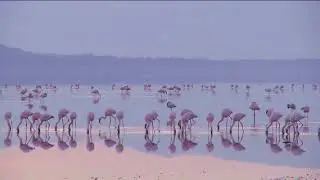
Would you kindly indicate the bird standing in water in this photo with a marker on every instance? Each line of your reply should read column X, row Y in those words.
column 170, row 105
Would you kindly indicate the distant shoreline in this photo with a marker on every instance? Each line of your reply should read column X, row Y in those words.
column 18, row 66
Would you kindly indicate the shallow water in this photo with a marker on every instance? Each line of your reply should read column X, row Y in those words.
column 139, row 103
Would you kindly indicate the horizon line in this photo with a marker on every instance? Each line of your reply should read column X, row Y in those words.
column 154, row 57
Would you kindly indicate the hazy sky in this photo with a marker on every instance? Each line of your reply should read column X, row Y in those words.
column 216, row 30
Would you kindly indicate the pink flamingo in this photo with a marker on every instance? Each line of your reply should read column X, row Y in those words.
column 109, row 112
column 90, row 119
column 35, row 118
column 237, row 118
column 306, row 110
column 24, row 116
column 63, row 113
column 187, row 117
column 7, row 118
column 149, row 118
column 293, row 121
column 73, row 118
column 45, row 118
column 172, row 121
column 254, row 107
column 274, row 117
column 225, row 114
column 210, row 119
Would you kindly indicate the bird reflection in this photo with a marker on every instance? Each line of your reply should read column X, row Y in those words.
column 108, row 140
column 119, row 147
column 96, row 100
column 73, row 138
column 7, row 140
column 210, row 145
column 90, row 143
column 294, row 145
column 44, row 143
column 225, row 140
column 24, row 145
column 35, row 139
column 186, row 142
column 305, row 129
column 162, row 100
column 172, row 146
column 150, row 145
column 62, row 143
column 273, row 141
column 237, row 144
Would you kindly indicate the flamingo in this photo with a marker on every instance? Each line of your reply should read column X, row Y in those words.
column 254, row 107
column 73, row 118
column 171, row 122
column 306, row 110
column 24, row 116
column 224, row 114
column 237, row 118
column 109, row 112
column 90, row 119
column 274, row 117
column 292, row 121
column 35, row 118
column 7, row 118
column 45, row 118
column 149, row 118
column 210, row 119
column 63, row 113
column 170, row 105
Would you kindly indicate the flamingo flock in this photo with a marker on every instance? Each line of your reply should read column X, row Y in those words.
column 186, row 119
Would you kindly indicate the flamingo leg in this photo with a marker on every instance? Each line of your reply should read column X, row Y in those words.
column 218, row 125
column 232, row 126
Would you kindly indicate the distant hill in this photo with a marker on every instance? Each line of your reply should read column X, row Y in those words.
column 27, row 67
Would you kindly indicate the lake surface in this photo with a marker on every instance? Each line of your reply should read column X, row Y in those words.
column 140, row 102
